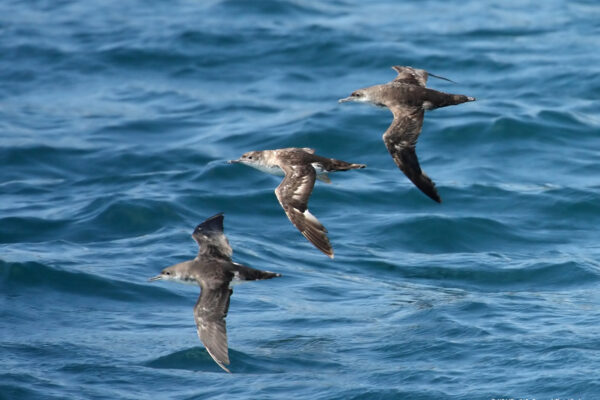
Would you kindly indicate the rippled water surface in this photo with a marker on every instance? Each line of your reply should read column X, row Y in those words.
column 116, row 119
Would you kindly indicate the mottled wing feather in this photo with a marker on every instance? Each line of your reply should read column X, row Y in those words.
column 210, row 312
column 401, row 139
column 293, row 194
column 410, row 75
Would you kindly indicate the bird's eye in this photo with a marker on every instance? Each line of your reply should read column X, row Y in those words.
column 168, row 273
column 356, row 94
column 249, row 157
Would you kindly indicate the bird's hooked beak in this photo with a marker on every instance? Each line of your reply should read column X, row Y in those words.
column 346, row 99
column 234, row 161
column 155, row 278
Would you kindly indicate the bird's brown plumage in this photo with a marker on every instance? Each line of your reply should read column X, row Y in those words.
column 407, row 97
column 213, row 271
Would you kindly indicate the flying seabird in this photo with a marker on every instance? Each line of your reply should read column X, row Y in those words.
column 214, row 271
column 301, row 167
column 408, row 98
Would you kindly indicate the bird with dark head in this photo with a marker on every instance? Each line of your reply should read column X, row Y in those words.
column 408, row 99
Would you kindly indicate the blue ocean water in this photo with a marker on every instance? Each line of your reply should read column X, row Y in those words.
column 116, row 119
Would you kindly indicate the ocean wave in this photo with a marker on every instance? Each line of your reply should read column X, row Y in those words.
column 24, row 385
column 30, row 229
column 285, row 9
column 472, row 271
column 21, row 276
column 116, row 121
column 198, row 359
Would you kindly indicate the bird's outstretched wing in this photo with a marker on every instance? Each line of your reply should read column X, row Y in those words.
column 211, row 239
column 410, row 75
column 293, row 194
column 401, row 139
column 414, row 76
column 210, row 312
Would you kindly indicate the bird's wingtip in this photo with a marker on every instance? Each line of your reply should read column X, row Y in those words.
column 225, row 369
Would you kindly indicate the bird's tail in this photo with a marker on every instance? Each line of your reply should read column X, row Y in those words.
column 454, row 99
column 437, row 99
column 339, row 165
column 459, row 98
column 245, row 273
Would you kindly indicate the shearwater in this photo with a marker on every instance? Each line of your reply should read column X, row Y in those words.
column 301, row 167
column 214, row 271
column 408, row 99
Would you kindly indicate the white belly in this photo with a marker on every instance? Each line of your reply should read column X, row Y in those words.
column 278, row 171
column 269, row 170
